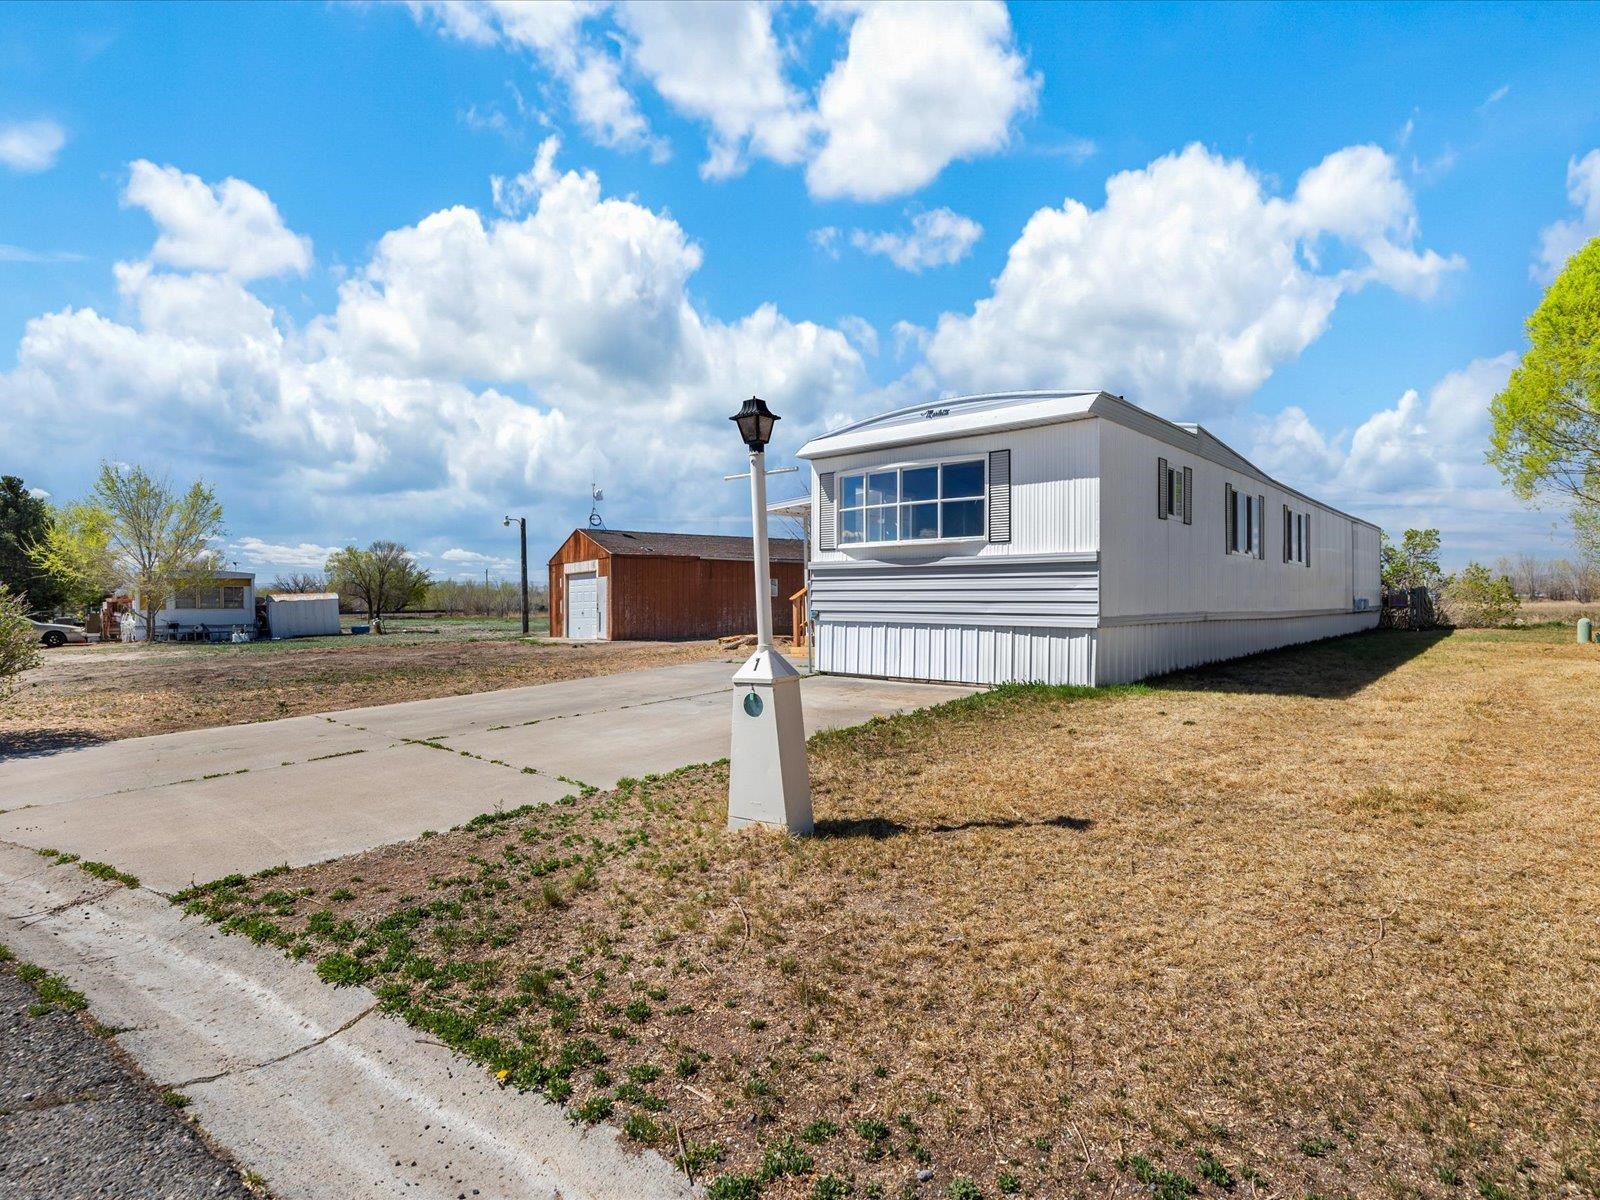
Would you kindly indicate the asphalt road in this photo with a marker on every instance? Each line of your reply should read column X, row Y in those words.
column 76, row 1120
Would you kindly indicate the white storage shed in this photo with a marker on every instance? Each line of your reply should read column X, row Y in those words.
column 302, row 614
column 1065, row 537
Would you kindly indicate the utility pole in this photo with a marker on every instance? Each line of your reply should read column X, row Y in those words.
column 522, row 525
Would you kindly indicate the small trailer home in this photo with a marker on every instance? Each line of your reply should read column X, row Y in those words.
column 211, row 610
column 1065, row 537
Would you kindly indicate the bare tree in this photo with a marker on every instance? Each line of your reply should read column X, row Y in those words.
column 300, row 582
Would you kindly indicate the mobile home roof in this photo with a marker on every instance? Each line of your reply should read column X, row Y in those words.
column 1000, row 412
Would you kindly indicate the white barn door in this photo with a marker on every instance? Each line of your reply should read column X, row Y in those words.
column 583, row 605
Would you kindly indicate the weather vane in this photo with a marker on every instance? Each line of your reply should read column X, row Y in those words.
column 596, row 495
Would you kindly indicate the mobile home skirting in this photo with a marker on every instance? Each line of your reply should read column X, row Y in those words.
column 1092, row 657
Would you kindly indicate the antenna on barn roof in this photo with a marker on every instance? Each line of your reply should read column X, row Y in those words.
column 596, row 521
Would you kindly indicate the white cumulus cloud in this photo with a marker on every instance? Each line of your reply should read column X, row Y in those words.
column 1416, row 462
column 918, row 85
column 922, row 85
column 936, row 238
column 230, row 227
column 1560, row 240
column 473, row 363
column 1191, row 284
column 31, row 146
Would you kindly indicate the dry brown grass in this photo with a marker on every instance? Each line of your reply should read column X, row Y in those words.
column 82, row 694
column 1325, row 920
column 1533, row 612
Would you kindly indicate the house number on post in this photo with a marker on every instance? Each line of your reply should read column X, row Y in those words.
column 752, row 704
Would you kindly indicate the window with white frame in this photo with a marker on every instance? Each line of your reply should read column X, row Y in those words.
column 920, row 502
column 1243, row 513
column 1296, row 537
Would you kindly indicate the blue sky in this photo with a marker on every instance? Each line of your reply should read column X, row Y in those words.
column 260, row 243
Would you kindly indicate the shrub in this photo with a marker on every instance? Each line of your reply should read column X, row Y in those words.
column 19, row 644
column 1479, row 597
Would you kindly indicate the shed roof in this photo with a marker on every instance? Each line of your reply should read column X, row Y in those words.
column 692, row 545
column 280, row 597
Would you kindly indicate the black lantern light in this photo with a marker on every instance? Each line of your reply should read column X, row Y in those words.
column 755, row 421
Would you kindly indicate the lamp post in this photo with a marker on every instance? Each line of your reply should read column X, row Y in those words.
column 522, row 524
column 769, row 782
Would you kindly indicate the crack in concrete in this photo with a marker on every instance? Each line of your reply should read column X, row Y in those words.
column 30, row 918
column 284, row 1057
column 592, row 712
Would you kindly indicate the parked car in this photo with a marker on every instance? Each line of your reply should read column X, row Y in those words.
column 58, row 633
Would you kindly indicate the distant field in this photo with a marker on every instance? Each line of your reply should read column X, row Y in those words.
column 1319, row 923
column 1533, row 612
column 82, row 694
column 402, row 631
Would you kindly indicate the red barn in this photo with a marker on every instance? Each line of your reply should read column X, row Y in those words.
column 621, row 585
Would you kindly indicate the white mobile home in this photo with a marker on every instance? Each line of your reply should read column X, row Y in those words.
column 210, row 611
column 1065, row 537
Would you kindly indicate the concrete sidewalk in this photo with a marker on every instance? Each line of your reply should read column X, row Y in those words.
column 305, row 1084
column 185, row 808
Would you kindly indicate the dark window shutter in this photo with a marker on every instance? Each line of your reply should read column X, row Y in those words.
column 1000, row 496
column 1288, row 534
column 1308, row 539
column 1261, row 532
column 827, row 514
column 1163, row 487
column 1230, row 518
column 1188, row 496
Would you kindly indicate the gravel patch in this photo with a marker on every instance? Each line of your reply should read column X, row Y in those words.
column 77, row 1120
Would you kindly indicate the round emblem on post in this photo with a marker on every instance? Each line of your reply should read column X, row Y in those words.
column 752, row 704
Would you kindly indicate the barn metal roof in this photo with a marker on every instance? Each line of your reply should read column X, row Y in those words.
column 692, row 545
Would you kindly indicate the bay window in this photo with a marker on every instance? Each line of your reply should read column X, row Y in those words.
column 924, row 502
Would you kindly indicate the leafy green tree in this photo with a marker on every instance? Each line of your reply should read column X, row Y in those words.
column 19, row 644
column 1414, row 562
column 1545, row 425
column 24, row 521
column 1478, row 596
column 383, row 577
column 138, row 531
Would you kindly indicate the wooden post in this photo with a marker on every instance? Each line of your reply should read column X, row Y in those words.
column 797, row 610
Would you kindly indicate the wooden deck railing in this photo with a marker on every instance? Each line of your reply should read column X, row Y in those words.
column 797, row 610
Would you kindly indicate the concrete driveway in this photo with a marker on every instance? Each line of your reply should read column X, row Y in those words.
column 184, row 808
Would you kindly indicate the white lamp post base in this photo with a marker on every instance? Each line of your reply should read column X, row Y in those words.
column 768, row 780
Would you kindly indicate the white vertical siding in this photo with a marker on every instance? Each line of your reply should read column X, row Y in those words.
column 1129, row 652
column 1093, row 587
column 1151, row 567
column 1365, row 569
column 956, row 654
